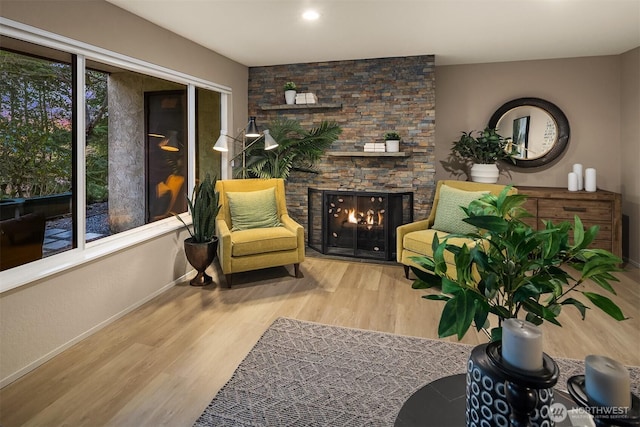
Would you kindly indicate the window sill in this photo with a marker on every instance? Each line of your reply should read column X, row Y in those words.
column 41, row 269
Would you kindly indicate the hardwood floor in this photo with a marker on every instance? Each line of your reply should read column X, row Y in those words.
column 164, row 362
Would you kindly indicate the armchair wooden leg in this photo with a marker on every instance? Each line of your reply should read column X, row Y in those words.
column 296, row 269
column 229, row 280
column 406, row 271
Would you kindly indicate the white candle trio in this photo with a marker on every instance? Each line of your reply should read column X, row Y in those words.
column 577, row 181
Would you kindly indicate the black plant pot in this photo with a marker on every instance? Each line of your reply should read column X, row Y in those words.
column 200, row 256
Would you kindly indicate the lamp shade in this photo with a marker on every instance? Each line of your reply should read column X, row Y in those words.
column 221, row 143
column 170, row 143
column 252, row 128
column 269, row 142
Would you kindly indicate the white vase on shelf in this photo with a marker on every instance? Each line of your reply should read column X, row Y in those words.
column 392, row 145
column 290, row 97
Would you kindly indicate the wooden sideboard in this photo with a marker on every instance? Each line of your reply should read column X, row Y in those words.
column 602, row 208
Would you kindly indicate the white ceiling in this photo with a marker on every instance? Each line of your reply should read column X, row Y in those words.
column 271, row 32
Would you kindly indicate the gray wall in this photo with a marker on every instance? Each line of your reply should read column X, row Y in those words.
column 599, row 96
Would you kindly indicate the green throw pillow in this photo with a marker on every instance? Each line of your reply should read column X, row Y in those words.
column 449, row 214
column 253, row 209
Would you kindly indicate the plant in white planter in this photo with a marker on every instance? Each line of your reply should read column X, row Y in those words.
column 392, row 141
column 483, row 151
column 290, row 92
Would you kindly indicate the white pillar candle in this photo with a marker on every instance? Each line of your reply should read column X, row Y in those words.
column 572, row 183
column 577, row 169
column 607, row 382
column 522, row 344
column 590, row 179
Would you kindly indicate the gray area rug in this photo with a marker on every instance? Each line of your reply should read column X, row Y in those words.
column 308, row 374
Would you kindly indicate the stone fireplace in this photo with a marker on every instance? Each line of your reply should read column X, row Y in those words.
column 367, row 98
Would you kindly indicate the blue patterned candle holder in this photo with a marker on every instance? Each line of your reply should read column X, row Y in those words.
column 499, row 395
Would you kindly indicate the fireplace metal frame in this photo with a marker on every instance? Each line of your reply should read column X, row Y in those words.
column 318, row 222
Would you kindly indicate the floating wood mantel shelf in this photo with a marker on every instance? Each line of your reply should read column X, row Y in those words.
column 366, row 154
column 301, row 106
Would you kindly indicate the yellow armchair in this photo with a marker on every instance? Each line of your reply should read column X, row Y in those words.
column 257, row 248
column 415, row 239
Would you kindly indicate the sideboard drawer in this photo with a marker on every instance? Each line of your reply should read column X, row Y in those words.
column 567, row 209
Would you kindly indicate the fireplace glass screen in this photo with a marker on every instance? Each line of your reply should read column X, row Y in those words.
column 357, row 224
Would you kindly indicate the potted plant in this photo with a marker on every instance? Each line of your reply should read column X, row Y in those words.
column 201, row 247
column 392, row 141
column 483, row 150
column 290, row 92
column 517, row 272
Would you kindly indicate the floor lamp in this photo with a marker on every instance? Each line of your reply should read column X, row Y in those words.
column 250, row 131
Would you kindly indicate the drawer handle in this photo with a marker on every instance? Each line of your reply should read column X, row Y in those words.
column 574, row 209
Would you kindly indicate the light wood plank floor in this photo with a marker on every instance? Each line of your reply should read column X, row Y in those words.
column 164, row 362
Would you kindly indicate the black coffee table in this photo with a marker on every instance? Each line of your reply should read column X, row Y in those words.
column 442, row 403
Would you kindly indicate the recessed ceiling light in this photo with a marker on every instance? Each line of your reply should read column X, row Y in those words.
column 311, row 15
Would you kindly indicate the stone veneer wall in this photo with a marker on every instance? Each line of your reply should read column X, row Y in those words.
column 377, row 95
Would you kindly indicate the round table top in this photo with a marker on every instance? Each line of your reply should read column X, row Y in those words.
column 442, row 403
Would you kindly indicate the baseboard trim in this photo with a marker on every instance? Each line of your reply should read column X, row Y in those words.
column 33, row 365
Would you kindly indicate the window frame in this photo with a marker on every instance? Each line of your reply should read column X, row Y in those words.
column 86, row 252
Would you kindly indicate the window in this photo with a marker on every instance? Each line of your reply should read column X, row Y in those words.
column 36, row 154
column 147, row 137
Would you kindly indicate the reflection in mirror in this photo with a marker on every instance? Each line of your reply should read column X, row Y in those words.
column 538, row 130
column 530, row 129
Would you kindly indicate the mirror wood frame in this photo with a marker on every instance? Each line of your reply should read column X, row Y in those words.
column 562, row 128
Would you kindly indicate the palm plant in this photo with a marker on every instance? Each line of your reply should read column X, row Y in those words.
column 298, row 149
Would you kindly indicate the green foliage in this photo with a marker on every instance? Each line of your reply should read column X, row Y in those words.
column 298, row 149
column 97, row 134
column 392, row 136
column 290, row 86
column 35, row 152
column 488, row 147
column 515, row 270
column 36, row 133
column 204, row 206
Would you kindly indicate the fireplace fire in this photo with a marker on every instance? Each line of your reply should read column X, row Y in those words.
column 357, row 224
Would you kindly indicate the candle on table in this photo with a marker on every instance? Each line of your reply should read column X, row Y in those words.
column 607, row 382
column 590, row 179
column 572, row 183
column 522, row 344
column 577, row 169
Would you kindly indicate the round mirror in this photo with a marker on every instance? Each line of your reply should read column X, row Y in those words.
column 537, row 129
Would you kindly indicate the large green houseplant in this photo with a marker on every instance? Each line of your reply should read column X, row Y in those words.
column 201, row 247
column 298, row 149
column 515, row 271
column 483, row 151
